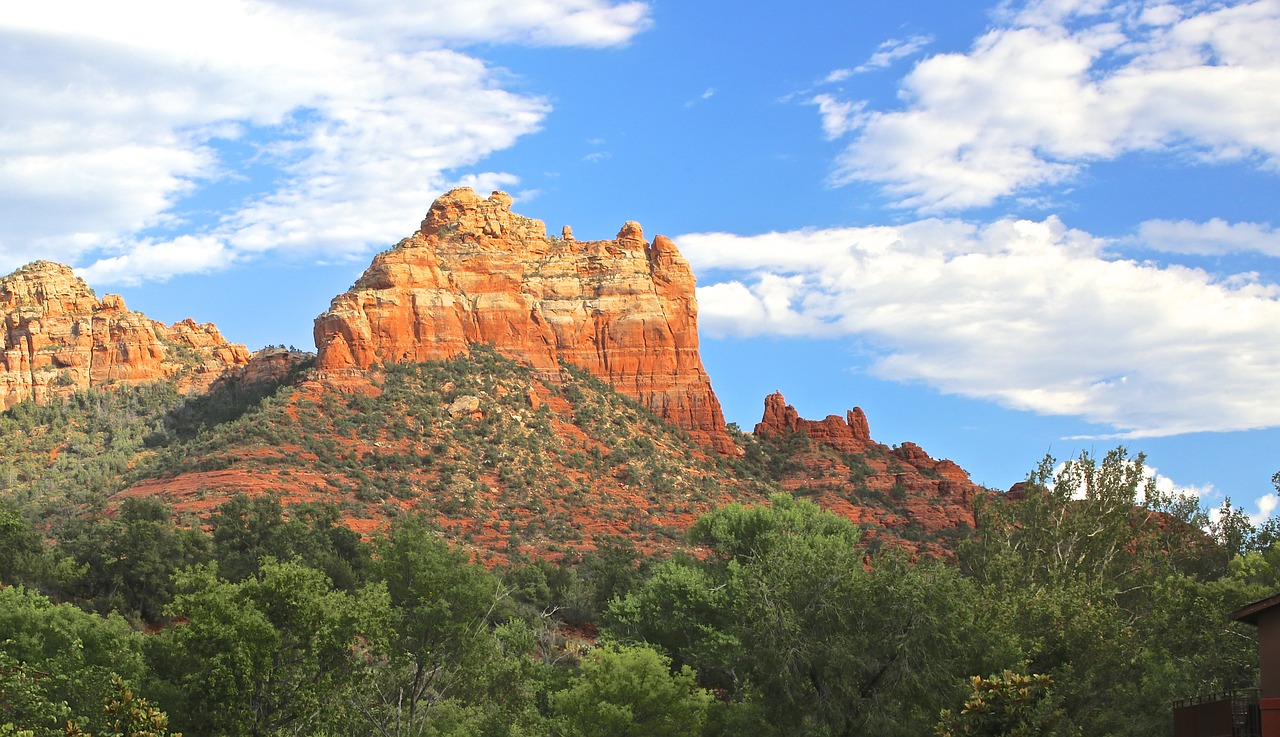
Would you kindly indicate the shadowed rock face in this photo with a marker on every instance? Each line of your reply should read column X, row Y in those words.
column 475, row 272
column 58, row 338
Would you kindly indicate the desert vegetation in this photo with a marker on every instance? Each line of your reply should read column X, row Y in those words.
column 469, row 548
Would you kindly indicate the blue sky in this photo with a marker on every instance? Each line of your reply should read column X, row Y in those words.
column 1030, row 227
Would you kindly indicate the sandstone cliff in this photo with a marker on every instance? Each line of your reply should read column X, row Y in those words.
column 901, row 490
column 477, row 273
column 57, row 338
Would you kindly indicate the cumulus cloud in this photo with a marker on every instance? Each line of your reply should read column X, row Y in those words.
column 1062, row 83
column 359, row 110
column 1031, row 315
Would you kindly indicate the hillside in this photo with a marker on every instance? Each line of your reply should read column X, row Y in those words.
column 530, row 394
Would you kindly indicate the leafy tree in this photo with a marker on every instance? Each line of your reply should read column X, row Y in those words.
column 26, row 709
column 742, row 532
column 1113, row 589
column 264, row 656
column 613, row 569
column 445, row 651
column 837, row 648
column 793, row 616
column 630, row 692
column 129, row 562
column 248, row 530
column 1006, row 705
column 687, row 610
column 57, row 662
column 22, row 551
column 128, row 715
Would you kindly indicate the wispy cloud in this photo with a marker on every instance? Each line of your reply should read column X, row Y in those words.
column 885, row 55
column 1031, row 315
column 360, row 108
column 706, row 95
column 892, row 50
column 1212, row 238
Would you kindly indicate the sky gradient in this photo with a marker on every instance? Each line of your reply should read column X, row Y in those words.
column 1003, row 231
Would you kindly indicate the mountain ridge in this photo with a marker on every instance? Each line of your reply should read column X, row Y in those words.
column 468, row 374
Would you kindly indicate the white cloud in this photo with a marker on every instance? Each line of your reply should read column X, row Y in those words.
column 1215, row 237
column 706, row 95
column 1266, row 505
column 838, row 116
column 359, row 107
column 160, row 260
column 1032, row 315
column 591, row 23
column 890, row 51
column 1068, row 82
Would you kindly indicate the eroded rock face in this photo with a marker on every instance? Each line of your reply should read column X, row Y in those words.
column 57, row 338
column 896, row 489
column 622, row 309
column 848, row 435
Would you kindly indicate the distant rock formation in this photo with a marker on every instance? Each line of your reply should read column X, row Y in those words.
column 868, row 481
column 851, row 434
column 58, row 338
column 477, row 273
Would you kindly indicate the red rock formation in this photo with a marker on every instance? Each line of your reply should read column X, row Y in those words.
column 848, row 435
column 269, row 366
column 57, row 338
column 475, row 272
column 893, row 488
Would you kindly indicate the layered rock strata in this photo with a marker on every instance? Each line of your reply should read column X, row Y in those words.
column 57, row 338
column 477, row 273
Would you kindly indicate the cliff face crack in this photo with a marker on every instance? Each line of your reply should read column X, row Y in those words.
column 622, row 309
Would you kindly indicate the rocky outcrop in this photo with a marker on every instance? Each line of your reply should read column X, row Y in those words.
column 269, row 366
column 847, row 435
column 477, row 273
column 58, row 337
column 900, row 490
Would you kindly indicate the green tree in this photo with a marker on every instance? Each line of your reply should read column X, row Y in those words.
column 57, row 662
column 1113, row 589
column 1006, row 705
column 26, row 709
column 128, row 563
column 687, row 610
column 247, row 530
column 266, row 656
column 448, row 655
column 22, row 552
column 1100, row 523
column 630, row 692
column 792, row 615
column 128, row 715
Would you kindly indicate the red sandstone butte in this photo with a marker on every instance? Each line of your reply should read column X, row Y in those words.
column 477, row 273
column 58, row 338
